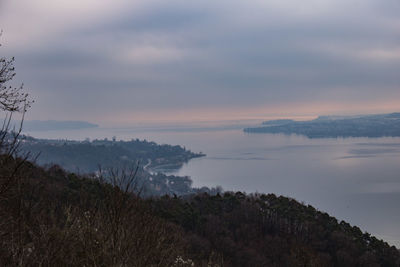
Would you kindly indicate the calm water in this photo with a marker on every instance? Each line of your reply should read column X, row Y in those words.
column 354, row 179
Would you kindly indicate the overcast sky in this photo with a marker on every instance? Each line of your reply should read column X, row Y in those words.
column 124, row 61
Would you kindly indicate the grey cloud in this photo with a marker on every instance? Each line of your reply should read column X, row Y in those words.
column 175, row 55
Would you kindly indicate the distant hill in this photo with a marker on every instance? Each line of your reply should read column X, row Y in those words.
column 277, row 122
column 378, row 125
column 49, row 125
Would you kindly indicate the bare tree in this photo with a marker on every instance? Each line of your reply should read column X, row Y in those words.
column 12, row 98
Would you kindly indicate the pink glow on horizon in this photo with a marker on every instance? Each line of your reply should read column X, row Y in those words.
column 288, row 111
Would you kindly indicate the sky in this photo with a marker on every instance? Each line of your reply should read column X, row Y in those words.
column 123, row 62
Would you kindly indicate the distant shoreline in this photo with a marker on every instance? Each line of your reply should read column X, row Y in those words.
column 380, row 125
column 54, row 125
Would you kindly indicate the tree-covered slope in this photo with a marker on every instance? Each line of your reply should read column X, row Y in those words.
column 266, row 230
column 86, row 156
column 55, row 218
column 91, row 156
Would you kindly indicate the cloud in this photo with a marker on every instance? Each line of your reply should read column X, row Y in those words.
column 111, row 57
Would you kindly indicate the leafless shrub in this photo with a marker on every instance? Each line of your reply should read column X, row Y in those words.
column 12, row 100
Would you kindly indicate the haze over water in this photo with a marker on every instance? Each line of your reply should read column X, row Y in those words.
column 353, row 179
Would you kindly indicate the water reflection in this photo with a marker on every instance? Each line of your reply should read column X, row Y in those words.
column 354, row 179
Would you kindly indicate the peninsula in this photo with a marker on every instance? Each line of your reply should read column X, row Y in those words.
column 378, row 125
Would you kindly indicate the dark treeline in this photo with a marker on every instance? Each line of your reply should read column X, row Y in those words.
column 266, row 230
column 56, row 218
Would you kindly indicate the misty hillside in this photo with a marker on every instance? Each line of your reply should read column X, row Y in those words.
column 86, row 156
column 150, row 159
column 380, row 125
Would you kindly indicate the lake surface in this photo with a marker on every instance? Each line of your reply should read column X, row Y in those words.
column 353, row 179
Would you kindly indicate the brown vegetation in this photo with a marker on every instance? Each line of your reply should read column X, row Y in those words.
column 52, row 218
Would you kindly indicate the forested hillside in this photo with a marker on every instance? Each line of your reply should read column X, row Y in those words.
column 56, row 218
column 87, row 156
column 149, row 158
